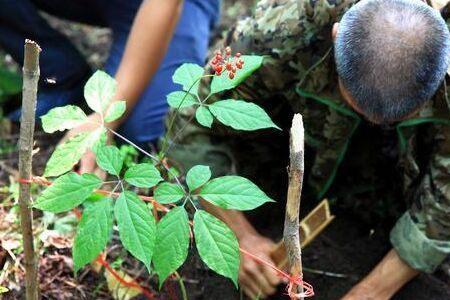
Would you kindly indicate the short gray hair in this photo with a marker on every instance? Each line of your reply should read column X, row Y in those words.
column 391, row 56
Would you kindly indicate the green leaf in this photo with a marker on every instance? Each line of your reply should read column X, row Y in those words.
column 67, row 192
column 143, row 175
column 188, row 75
column 68, row 154
column 109, row 159
column 217, row 245
column 241, row 115
column 10, row 82
column 222, row 83
column 115, row 111
column 166, row 193
column 233, row 192
column 93, row 232
column 181, row 99
column 197, row 176
column 3, row 290
column 99, row 90
column 172, row 243
column 204, row 117
column 137, row 228
column 62, row 118
column 100, row 142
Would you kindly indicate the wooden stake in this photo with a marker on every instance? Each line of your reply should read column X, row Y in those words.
column 291, row 234
column 29, row 94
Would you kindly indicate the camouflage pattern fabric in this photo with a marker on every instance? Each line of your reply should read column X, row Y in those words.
column 299, row 76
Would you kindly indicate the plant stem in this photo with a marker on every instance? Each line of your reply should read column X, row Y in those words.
column 29, row 94
column 147, row 154
column 291, row 234
column 172, row 120
column 182, row 286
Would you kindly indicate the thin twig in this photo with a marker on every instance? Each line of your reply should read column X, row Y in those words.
column 29, row 95
column 291, row 234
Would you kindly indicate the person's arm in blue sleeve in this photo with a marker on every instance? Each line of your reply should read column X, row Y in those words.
column 146, row 47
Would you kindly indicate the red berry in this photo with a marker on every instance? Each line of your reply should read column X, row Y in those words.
column 241, row 61
column 233, row 69
column 219, row 69
column 228, row 51
column 238, row 65
column 214, row 61
column 231, row 75
column 228, row 66
column 238, row 54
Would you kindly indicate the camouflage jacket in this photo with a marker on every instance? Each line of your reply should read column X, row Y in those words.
column 299, row 76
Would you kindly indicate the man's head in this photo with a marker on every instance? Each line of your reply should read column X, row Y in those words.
column 391, row 56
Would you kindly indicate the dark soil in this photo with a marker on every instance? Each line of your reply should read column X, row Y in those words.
column 343, row 249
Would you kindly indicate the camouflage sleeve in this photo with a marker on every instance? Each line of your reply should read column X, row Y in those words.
column 422, row 235
column 284, row 31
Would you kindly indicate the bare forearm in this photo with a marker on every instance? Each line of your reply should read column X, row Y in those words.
column 391, row 274
column 388, row 277
column 146, row 47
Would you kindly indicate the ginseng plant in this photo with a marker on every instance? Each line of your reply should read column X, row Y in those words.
column 159, row 244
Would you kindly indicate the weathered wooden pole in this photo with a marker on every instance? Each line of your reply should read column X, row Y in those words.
column 29, row 93
column 291, row 234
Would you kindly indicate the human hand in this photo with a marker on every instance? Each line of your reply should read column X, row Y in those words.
column 87, row 163
column 257, row 280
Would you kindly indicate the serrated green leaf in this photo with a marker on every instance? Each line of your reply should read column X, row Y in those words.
column 143, row 175
column 217, row 245
column 197, row 176
column 223, row 83
column 172, row 243
column 93, row 232
column 188, row 76
column 233, row 192
column 62, row 118
column 101, row 141
column 166, row 193
column 99, row 91
column 68, row 154
column 241, row 115
column 115, row 111
column 109, row 159
column 181, row 99
column 204, row 117
column 137, row 228
column 67, row 192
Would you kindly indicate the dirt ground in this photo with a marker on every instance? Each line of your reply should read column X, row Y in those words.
column 334, row 262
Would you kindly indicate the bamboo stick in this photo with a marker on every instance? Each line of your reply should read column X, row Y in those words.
column 29, row 94
column 291, row 234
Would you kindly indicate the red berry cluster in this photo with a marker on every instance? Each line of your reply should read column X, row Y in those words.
column 225, row 62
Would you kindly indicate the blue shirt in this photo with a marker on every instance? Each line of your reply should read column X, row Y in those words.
column 211, row 7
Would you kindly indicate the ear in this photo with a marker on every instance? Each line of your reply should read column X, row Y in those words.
column 335, row 30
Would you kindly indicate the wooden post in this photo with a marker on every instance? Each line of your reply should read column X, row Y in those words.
column 29, row 94
column 291, row 234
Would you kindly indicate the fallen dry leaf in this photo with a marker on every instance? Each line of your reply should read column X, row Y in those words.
column 118, row 290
